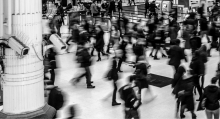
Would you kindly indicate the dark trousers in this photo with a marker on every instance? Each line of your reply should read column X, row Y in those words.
column 146, row 12
column 130, row 2
column 2, row 65
column 52, row 77
column 176, row 68
column 58, row 30
column 137, row 58
column 197, row 85
column 99, row 54
column 114, row 92
column 131, row 114
column 119, row 64
column 87, row 74
column 158, row 47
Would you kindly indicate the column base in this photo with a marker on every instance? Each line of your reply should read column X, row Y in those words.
column 47, row 112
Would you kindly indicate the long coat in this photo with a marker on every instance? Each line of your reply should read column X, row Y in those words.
column 99, row 41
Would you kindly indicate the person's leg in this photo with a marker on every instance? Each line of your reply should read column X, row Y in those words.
column 202, row 81
column 128, row 114
column 137, row 58
column 114, row 92
column 199, row 89
column 216, row 114
column 155, row 56
column 108, row 48
column 62, row 20
column 119, row 64
column 182, row 109
column 208, row 114
column 175, row 68
column 58, row 30
column 52, row 77
column 99, row 56
column 114, row 102
column 193, row 115
column 92, row 52
column 3, row 66
column 177, row 106
column 135, row 114
column 152, row 50
column 88, row 76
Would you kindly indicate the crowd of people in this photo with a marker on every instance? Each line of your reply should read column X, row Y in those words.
column 198, row 34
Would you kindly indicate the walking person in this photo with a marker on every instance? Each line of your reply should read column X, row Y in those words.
column 84, row 58
column 114, row 38
column 195, row 42
column 57, row 22
column 211, row 99
column 159, row 40
column 99, row 45
column 176, row 54
column 146, row 7
column 113, row 75
column 141, row 73
column 61, row 13
column 131, row 100
column 111, row 8
column 185, row 94
column 130, row 2
column 178, row 77
column 198, row 67
column 120, row 8
column 94, row 11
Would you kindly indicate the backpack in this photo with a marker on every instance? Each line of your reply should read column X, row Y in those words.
column 56, row 98
column 138, row 50
column 125, row 91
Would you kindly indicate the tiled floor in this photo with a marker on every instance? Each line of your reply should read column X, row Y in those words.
column 90, row 101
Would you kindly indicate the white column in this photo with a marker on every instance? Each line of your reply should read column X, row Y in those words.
column 9, row 17
column 1, row 18
column 23, row 87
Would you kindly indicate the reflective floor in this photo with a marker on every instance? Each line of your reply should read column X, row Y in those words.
column 91, row 103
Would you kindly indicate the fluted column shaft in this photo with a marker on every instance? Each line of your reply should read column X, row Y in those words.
column 1, row 18
column 23, row 87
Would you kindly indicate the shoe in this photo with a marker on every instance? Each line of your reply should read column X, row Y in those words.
column 98, row 60
column 182, row 116
column 151, row 55
column 115, row 104
column 91, row 82
column 194, row 116
column 74, row 81
column 90, row 86
column 155, row 58
column 120, row 71
column 164, row 56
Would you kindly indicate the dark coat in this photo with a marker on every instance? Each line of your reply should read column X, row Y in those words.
column 152, row 7
column 112, row 6
column 83, row 38
column 197, row 66
column 195, row 42
column 177, row 80
column 84, row 57
column 147, row 5
column 113, row 73
column 212, row 95
column 176, row 54
column 99, row 41
column 187, row 85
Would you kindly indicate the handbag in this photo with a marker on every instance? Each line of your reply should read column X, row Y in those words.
column 201, row 105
